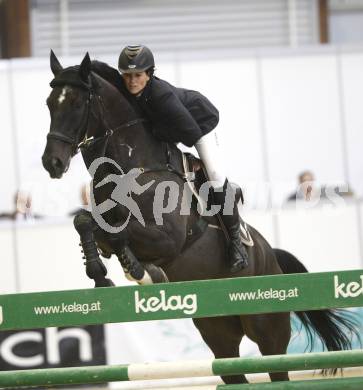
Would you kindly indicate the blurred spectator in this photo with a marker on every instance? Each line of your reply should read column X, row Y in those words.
column 22, row 208
column 343, row 191
column 85, row 199
column 306, row 189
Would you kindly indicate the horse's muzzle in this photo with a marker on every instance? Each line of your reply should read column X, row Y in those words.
column 54, row 166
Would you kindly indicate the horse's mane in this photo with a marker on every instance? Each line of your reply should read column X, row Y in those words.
column 112, row 76
column 108, row 73
column 103, row 70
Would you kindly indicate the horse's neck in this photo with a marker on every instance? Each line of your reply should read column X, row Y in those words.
column 113, row 108
column 131, row 145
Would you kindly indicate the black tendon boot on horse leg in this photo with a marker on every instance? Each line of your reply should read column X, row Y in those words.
column 135, row 271
column 146, row 273
column 95, row 269
column 237, row 252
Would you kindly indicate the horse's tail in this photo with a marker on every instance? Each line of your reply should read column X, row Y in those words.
column 335, row 328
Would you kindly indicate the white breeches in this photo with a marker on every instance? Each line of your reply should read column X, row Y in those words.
column 209, row 152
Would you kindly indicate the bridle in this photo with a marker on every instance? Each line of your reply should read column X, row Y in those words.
column 84, row 141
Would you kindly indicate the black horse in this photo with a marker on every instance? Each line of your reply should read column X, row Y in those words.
column 89, row 112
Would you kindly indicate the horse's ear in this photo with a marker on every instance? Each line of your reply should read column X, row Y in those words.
column 85, row 67
column 55, row 65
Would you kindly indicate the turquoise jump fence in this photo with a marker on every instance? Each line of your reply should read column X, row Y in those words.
column 251, row 295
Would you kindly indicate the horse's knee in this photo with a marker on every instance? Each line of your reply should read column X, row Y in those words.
column 83, row 222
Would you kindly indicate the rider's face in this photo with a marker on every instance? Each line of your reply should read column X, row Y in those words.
column 135, row 82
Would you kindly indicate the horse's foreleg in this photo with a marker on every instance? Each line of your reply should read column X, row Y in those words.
column 142, row 273
column 95, row 269
column 146, row 273
column 161, row 243
column 134, row 271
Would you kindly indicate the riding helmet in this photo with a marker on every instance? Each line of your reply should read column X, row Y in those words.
column 136, row 58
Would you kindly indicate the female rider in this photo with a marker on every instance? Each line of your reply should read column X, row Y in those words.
column 180, row 115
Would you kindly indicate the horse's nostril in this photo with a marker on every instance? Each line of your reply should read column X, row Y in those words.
column 56, row 163
column 54, row 166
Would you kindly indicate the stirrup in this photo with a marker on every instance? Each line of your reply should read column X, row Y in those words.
column 238, row 265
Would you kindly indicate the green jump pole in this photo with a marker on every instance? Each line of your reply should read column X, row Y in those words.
column 63, row 376
column 291, row 362
column 168, row 370
column 315, row 384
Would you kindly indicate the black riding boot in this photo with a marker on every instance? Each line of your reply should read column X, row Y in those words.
column 238, row 255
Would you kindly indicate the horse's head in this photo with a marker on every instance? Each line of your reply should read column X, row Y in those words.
column 68, row 105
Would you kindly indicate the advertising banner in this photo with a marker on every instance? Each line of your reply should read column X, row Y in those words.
column 52, row 347
column 263, row 294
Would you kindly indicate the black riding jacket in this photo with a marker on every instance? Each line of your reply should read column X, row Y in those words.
column 176, row 114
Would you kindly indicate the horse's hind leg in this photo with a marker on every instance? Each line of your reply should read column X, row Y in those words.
column 271, row 332
column 95, row 269
column 223, row 336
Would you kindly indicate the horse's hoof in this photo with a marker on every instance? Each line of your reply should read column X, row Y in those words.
column 104, row 283
column 95, row 268
column 156, row 273
column 109, row 282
